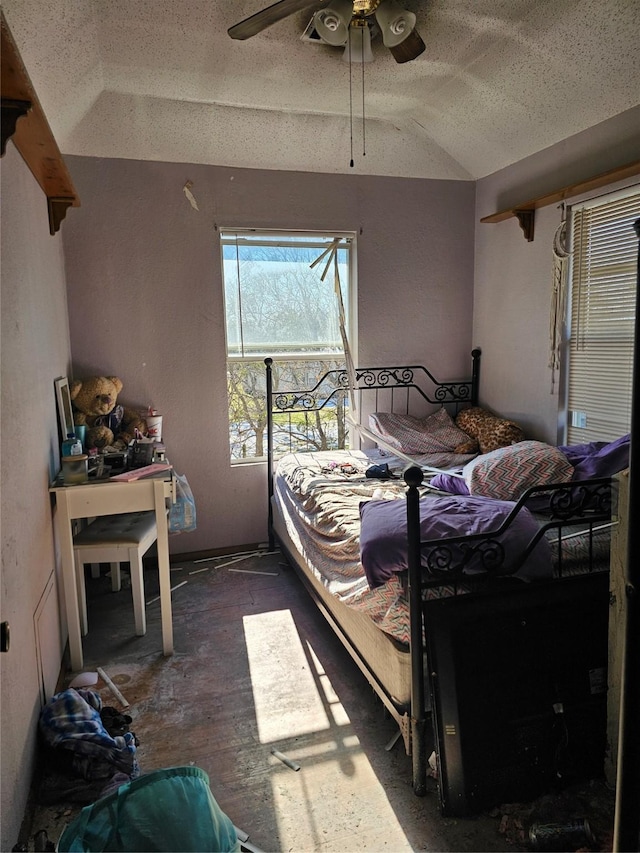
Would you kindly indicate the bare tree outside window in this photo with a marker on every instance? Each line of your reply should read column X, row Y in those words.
column 277, row 306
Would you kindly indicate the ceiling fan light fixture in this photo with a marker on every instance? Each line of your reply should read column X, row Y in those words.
column 358, row 47
column 332, row 22
column 395, row 23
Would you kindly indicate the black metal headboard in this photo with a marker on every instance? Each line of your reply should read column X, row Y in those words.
column 392, row 379
column 393, row 385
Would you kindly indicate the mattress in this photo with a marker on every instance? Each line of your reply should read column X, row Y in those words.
column 316, row 511
column 316, row 516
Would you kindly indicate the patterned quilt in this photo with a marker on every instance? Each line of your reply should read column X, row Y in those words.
column 319, row 495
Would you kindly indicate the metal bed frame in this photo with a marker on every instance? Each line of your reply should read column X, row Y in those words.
column 435, row 692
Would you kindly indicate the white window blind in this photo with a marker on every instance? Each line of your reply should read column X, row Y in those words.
column 603, row 299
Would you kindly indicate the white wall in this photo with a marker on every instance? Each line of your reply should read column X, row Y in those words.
column 513, row 278
column 35, row 351
column 145, row 297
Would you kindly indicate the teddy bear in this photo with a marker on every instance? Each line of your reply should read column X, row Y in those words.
column 109, row 424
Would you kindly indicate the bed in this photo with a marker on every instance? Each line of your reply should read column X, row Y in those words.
column 439, row 596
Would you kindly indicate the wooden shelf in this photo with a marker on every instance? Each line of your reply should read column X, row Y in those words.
column 525, row 212
column 24, row 122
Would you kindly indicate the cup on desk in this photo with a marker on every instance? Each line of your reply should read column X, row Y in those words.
column 154, row 427
column 75, row 470
column 80, row 431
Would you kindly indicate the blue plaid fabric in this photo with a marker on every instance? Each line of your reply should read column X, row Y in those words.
column 71, row 721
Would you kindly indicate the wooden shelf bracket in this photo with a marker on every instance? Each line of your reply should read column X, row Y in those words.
column 527, row 219
column 11, row 110
column 57, row 208
column 24, row 122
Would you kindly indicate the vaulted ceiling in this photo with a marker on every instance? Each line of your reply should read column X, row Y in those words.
column 158, row 80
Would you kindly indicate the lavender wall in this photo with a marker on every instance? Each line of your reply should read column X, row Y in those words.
column 144, row 294
column 145, row 297
column 35, row 351
column 513, row 278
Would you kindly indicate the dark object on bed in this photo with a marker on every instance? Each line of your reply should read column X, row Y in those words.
column 379, row 472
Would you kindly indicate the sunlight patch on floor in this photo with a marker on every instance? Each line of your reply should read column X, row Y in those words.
column 287, row 700
column 335, row 801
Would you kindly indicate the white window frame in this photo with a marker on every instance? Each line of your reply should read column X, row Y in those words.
column 276, row 237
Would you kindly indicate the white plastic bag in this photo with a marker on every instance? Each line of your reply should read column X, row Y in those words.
column 182, row 515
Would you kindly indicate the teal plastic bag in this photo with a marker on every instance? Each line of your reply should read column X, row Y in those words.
column 171, row 810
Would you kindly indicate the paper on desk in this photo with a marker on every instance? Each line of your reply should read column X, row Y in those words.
column 141, row 473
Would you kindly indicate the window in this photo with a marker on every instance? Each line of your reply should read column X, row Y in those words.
column 603, row 298
column 277, row 305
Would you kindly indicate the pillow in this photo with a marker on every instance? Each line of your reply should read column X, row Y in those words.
column 436, row 433
column 383, row 535
column 488, row 429
column 507, row 472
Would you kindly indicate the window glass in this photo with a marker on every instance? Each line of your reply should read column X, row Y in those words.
column 279, row 304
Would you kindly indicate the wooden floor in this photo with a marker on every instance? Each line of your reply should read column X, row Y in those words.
column 256, row 668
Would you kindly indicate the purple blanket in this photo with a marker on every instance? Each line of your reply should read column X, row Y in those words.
column 598, row 458
column 383, row 535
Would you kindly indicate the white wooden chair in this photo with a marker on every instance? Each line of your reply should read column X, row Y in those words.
column 115, row 539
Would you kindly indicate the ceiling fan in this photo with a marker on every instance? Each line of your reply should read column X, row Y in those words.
column 336, row 21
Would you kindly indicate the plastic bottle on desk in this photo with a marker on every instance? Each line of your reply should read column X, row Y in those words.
column 72, row 446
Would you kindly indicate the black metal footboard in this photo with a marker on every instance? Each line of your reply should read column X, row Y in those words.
column 491, row 621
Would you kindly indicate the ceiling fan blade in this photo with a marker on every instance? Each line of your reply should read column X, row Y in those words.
column 266, row 17
column 408, row 49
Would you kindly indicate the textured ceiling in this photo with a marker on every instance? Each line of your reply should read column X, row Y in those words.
column 156, row 80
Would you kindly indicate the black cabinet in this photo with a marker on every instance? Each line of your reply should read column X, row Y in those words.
column 518, row 680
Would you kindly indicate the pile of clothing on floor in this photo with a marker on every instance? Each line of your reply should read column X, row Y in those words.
column 88, row 748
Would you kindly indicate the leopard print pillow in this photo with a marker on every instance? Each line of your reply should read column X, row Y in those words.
column 490, row 431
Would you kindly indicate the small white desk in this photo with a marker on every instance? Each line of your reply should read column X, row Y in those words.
column 105, row 497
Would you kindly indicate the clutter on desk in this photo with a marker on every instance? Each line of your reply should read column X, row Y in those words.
column 159, row 452
column 115, row 460
column 154, row 424
column 75, row 469
column 80, row 431
column 109, row 439
column 141, row 452
column 142, row 473
column 71, row 446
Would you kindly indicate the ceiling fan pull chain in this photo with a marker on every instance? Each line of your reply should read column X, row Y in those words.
column 364, row 146
column 350, row 103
